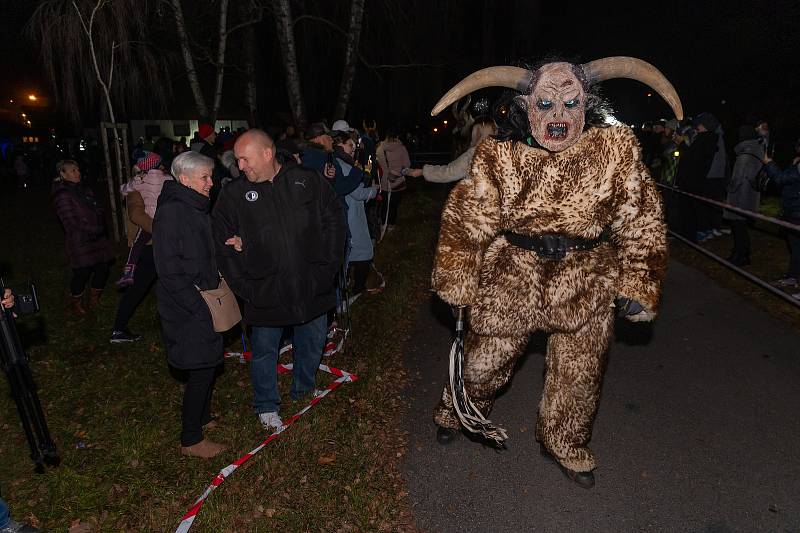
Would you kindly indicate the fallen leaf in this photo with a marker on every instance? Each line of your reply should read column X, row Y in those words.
column 269, row 513
column 326, row 459
column 79, row 527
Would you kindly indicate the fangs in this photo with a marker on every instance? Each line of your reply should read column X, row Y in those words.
column 557, row 129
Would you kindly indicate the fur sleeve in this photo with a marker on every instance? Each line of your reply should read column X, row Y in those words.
column 470, row 221
column 638, row 229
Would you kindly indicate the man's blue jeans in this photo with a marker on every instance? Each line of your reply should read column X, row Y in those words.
column 3, row 513
column 308, row 341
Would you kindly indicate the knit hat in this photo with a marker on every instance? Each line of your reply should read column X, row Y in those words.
column 205, row 130
column 315, row 130
column 149, row 161
column 706, row 119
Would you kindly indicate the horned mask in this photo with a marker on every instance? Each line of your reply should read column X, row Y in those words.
column 555, row 97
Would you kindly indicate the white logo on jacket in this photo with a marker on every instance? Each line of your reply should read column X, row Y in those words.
column 251, row 196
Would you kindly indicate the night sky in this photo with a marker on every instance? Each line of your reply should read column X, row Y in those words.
column 744, row 54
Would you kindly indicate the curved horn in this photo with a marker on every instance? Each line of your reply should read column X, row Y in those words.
column 511, row 77
column 634, row 69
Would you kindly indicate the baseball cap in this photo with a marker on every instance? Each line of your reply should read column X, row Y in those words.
column 315, row 130
column 341, row 125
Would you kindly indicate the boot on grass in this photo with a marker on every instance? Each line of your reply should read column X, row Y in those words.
column 94, row 298
column 205, row 449
column 76, row 305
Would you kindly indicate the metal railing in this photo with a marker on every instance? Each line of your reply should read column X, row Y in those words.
column 757, row 216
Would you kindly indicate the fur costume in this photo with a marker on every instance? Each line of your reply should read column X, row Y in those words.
column 594, row 187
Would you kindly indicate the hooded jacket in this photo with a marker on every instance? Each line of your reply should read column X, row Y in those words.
column 741, row 192
column 293, row 234
column 183, row 250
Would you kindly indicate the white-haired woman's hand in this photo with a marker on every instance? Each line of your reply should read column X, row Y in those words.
column 8, row 299
column 236, row 242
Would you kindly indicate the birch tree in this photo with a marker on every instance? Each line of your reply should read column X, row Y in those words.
column 285, row 28
column 350, row 58
column 97, row 46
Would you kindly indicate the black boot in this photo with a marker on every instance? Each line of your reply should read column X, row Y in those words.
column 445, row 436
column 584, row 480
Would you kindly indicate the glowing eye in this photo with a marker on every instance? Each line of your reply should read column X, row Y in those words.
column 544, row 104
column 569, row 104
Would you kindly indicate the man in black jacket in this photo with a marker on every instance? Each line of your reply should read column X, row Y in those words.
column 285, row 236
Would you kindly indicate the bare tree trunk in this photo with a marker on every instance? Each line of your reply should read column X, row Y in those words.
column 105, row 85
column 285, row 29
column 191, row 71
column 250, row 68
column 223, row 43
column 350, row 58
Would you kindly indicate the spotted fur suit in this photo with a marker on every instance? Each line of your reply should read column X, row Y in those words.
column 598, row 183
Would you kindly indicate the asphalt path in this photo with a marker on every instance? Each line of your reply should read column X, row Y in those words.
column 698, row 428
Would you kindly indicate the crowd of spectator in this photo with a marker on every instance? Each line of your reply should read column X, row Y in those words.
column 694, row 157
column 290, row 225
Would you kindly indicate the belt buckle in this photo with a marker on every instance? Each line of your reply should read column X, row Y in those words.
column 553, row 248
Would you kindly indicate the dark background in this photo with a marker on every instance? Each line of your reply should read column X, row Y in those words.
column 735, row 58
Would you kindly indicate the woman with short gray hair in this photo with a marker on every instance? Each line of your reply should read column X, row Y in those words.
column 185, row 262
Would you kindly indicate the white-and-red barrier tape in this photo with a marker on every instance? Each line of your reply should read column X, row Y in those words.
column 342, row 377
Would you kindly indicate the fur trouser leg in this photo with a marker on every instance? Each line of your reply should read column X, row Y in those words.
column 574, row 372
column 488, row 364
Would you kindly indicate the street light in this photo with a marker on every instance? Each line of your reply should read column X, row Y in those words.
column 32, row 97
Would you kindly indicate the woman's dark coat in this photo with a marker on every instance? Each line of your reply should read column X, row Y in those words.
column 84, row 224
column 184, row 255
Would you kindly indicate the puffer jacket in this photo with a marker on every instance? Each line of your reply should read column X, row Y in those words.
column 293, row 237
column 741, row 192
column 84, row 224
column 183, row 250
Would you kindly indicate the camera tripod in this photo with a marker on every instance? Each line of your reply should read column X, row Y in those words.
column 23, row 390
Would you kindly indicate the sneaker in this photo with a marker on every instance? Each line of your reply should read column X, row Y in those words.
column 726, row 231
column 702, row 236
column 124, row 335
column 335, row 344
column 787, row 281
column 716, row 232
column 353, row 298
column 15, row 527
column 270, row 420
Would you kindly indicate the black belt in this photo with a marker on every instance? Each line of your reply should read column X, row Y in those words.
column 553, row 245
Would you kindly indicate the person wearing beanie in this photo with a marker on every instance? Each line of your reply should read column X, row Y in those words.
column 208, row 148
column 141, row 197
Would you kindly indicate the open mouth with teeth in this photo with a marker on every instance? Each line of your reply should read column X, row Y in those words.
column 557, row 130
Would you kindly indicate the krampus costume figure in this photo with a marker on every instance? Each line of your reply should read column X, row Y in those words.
column 547, row 235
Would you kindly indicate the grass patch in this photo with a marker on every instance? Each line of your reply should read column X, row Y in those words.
column 114, row 411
